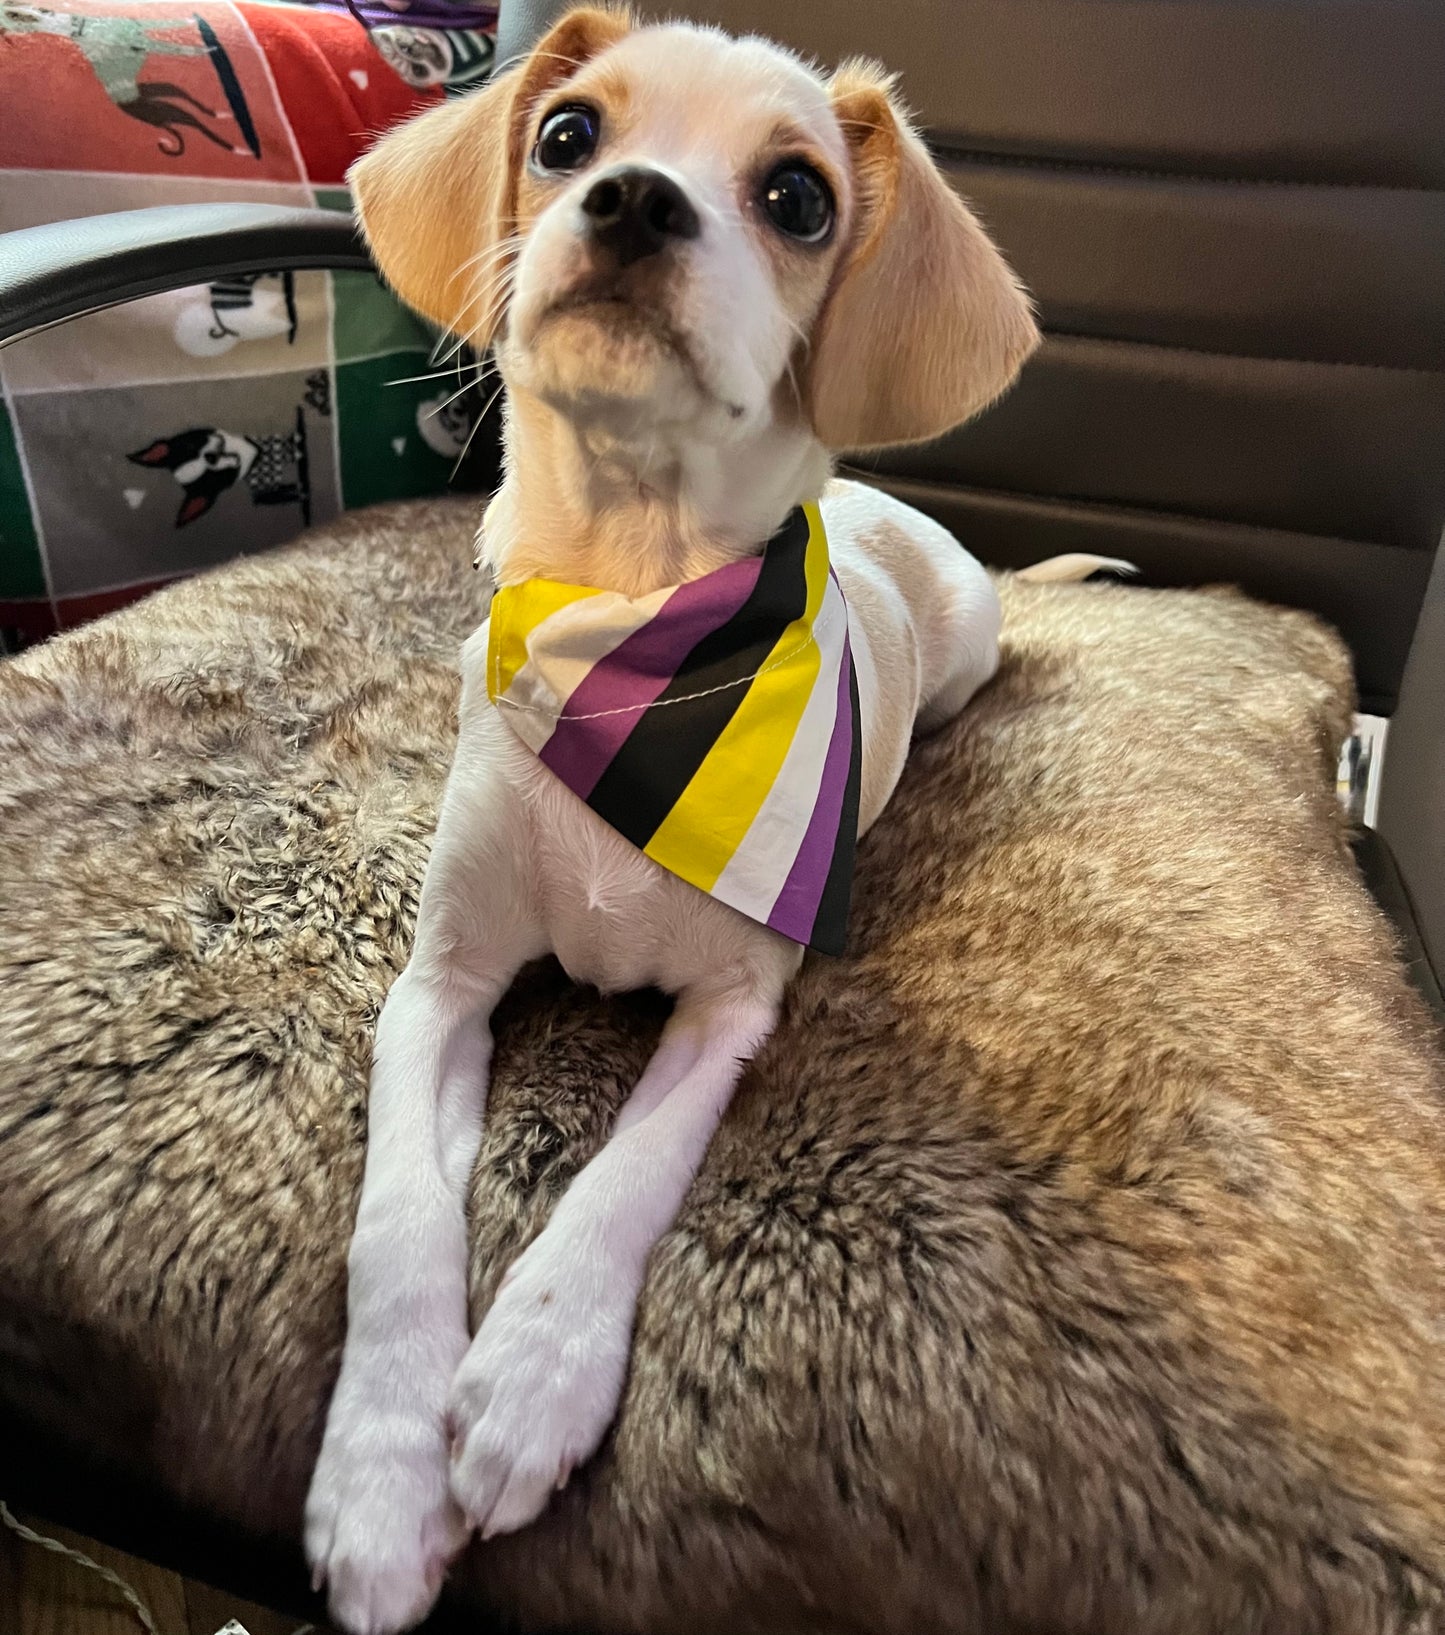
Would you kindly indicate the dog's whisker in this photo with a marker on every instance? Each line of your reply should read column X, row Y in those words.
column 805, row 340
column 496, row 255
column 503, row 263
column 792, row 374
column 490, row 252
column 462, row 336
column 438, row 374
column 484, row 290
column 533, row 56
column 494, row 249
column 454, row 350
column 446, row 403
column 476, row 427
column 491, row 290
column 492, row 286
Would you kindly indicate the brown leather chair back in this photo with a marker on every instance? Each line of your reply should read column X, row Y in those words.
column 1231, row 217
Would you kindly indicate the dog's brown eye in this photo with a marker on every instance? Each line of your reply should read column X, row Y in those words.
column 798, row 202
column 568, row 138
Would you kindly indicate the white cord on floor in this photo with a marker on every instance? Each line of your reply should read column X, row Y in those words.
column 132, row 1600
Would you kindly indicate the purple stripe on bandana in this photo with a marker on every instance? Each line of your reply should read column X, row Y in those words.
column 797, row 906
column 638, row 670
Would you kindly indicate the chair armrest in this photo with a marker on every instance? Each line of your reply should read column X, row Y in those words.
column 67, row 268
column 1412, row 789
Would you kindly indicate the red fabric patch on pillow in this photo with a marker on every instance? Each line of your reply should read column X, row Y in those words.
column 335, row 87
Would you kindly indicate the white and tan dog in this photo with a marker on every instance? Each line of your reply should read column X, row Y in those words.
column 702, row 267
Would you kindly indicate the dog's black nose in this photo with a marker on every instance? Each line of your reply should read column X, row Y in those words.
column 637, row 211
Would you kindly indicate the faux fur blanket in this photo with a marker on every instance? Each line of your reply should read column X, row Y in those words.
column 1073, row 1258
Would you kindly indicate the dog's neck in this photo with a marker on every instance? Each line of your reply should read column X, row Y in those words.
column 633, row 516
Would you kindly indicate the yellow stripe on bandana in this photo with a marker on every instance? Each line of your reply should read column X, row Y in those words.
column 708, row 822
column 527, row 605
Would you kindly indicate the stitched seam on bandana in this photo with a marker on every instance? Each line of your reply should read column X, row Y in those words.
column 662, row 703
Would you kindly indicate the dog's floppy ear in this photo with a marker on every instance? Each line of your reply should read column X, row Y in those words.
column 925, row 324
column 158, row 454
column 194, row 505
column 437, row 195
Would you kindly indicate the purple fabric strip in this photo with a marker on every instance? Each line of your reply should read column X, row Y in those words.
column 637, row 671
column 797, row 906
column 413, row 13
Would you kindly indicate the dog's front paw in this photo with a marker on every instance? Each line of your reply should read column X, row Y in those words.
column 381, row 1528
column 537, row 1390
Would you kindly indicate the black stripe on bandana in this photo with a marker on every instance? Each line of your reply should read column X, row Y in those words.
column 830, row 927
column 661, row 755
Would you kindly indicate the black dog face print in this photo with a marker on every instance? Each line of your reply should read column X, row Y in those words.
column 206, row 462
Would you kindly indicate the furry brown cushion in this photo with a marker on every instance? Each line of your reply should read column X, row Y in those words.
column 1071, row 1260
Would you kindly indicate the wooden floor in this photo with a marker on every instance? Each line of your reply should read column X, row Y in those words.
column 46, row 1594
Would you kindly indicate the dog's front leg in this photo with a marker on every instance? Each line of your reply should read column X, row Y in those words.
column 543, row 1378
column 380, row 1524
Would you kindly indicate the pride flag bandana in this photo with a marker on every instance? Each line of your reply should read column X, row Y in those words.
column 714, row 724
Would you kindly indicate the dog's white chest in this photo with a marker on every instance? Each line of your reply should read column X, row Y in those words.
column 611, row 915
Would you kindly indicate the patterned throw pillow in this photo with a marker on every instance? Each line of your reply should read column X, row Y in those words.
column 141, row 444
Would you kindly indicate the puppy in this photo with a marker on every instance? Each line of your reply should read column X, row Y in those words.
column 701, row 268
